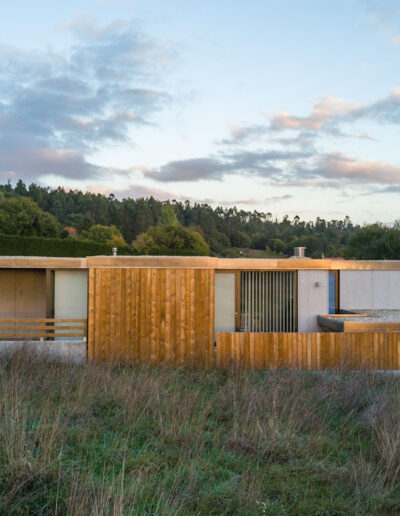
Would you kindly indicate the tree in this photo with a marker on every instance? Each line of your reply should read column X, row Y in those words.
column 107, row 234
column 170, row 240
column 277, row 245
column 240, row 239
column 222, row 228
column 24, row 217
column 168, row 216
column 374, row 242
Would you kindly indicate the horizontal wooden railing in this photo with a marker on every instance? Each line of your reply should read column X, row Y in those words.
column 312, row 351
column 42, row 329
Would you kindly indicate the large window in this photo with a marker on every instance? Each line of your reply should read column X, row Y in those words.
column 268, row 301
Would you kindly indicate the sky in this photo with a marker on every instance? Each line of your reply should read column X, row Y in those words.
column 281, row 106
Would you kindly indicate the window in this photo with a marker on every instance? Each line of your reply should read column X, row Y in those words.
column 333, row 292
column 268, row 301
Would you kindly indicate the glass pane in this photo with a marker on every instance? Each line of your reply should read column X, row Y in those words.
column 332, row 292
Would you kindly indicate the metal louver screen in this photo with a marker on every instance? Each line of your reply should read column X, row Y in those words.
column 268, row 301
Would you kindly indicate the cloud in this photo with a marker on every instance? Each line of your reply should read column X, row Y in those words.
column 56, row 109
column 363, row 136
column 329, row 111
column 258, row 163
column 278, row 198
column 386, row 110
column 133, row 191
column 325, row 117
column 294, row 181
column 301, row 169
column 324, row 110
column 339, row 167
column 242, row 133
column 32, row 163
column 189, row 170
column 251, row 201
column 393, row 189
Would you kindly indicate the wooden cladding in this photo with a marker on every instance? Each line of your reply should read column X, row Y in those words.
column 42, row 329
column 152, row 315
column 312, row 351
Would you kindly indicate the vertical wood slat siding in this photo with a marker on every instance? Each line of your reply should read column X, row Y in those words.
column 152, row 315
column 309, row 351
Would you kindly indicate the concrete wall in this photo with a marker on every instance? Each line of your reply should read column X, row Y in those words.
column 224, row 302
column 70, row 295
column 75, row 352
column 369, row 290
column 312, row 299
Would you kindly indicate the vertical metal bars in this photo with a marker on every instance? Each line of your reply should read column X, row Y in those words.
column 267, row 301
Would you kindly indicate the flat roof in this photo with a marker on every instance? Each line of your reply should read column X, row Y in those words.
column 361, row 320
column 41, row 262
column 197, row 262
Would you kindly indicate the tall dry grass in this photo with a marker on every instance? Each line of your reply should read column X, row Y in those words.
column 113, row 439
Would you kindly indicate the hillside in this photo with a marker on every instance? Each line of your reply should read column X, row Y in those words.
column 226, row 231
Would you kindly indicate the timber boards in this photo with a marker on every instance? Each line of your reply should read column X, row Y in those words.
column 152, row 315
column 309, row 351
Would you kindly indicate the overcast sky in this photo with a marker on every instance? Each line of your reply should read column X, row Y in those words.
column 286, row 106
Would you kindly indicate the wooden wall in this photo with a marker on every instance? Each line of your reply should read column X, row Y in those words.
column 22, row 293
column 310, row 351
column 151, row 315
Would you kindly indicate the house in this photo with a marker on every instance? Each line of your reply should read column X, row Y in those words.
column 174, row 308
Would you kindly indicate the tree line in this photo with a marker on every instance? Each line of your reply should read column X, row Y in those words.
column 150, row 226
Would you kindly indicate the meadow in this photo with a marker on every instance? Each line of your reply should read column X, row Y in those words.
column 138, row 440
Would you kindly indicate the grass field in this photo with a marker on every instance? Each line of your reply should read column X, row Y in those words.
column 141, row 440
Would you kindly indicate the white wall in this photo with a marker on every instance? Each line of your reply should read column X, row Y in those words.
column 70, row 294
column 313, row 300
column 224, row 301
column 369, row 290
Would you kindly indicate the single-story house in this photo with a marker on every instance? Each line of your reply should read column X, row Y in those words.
column 172, row 308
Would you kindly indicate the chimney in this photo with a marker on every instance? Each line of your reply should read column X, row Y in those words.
column 299, row 252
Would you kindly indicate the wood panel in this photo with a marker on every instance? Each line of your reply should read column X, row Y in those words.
column 200, row 262
column 43, row 328
column 237, row 264
column 309, row 351
column 22, row 293
column 152, row 315
column 39, row 262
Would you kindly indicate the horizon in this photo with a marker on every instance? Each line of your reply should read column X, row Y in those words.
column 287, row 108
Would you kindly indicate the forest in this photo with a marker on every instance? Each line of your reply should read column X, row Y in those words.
column 149, row 226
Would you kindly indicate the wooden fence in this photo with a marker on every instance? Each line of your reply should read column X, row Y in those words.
column 152, row 315
column 309, row 351
column 42, row 329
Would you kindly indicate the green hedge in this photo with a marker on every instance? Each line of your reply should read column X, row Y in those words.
column 14, row 245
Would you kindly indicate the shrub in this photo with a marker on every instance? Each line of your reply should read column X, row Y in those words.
column 11, row 245
column 171, row 240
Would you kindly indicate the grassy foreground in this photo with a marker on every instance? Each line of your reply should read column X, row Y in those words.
column 142, row 440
